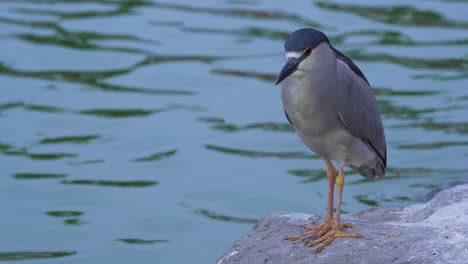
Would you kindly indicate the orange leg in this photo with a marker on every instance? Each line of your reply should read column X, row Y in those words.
column 335, row 231
column 322, row 229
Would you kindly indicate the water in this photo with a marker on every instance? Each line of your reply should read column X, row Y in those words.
column 152, row 132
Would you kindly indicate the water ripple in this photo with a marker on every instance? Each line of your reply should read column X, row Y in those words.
column 220, row 217
column 261, row 154
column 23, row 255
column 121, row 113
column 35, row 176
column 220, row 124
column 108, row 183
column 138, row 241
column 157, row 156
column 396, row 15
column 84, row 139
column 433, row 145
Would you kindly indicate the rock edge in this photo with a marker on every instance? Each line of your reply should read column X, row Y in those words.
column 432, row 232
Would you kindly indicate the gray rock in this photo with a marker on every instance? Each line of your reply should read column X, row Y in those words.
column 433, row 232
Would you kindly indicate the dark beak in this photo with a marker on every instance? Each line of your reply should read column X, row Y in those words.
column 288, row 69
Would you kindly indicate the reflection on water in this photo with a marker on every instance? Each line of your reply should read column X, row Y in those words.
column 362, row 198
column 255, row 154
column 433, row 145
column 449, row 127
column 33, row 176
column 70, row 217
column 220, row 124
column 399, row 15
column 116, row 113
column 10, row 150
column 137, row 241
column 70, row 139
column 64, row 213
column 407, row 173
column 157, row 156
column 23, row 255
column 309, row 175
column 220, row 217
column 112, row 183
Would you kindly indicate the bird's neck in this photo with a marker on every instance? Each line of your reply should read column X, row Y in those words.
column 318, row 70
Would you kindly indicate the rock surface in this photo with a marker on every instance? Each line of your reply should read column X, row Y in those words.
column 433, row 232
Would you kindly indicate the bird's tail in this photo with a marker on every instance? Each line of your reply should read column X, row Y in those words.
column 371, row 172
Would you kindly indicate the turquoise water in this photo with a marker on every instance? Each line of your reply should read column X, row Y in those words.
column 152, row 132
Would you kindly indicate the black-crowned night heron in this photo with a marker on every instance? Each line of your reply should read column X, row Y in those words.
column 332, row 107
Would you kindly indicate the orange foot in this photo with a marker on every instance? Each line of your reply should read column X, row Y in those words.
column 330, row 236
column 321, row 229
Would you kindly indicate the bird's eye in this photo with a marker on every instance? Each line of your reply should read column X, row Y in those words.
column 308, row 51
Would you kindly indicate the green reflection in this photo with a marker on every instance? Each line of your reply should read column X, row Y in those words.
column 362, row 198
column 382, row 91
column 390, row 110
column 22, row 255
column 441, row 77
column 257, row 154
column 214, row 120
column 224, row 218
column 120, row 113
column 244, row 13
column 94, row 78
column 35, row 176
column 448, row 127
column 121, row 8
column 71, row 41
column 64, row 213
column 382, row 37
column 391, row 37
column 309, row 175
column 260, row 76
column 247, row 32
column 137, row 241
column 219, row 124
column 50, row 156
column 433, row 145
column 157, row 156
column 74, row 221
column 397, row 15
column 396, row 173
column 270, row 126
column 112, row 183
column 128, row 7
column 438, row 64
column 70, row 139
column 221, row 217
column 31, row 107
column 422, row 185
column 4, row 147
column 13, row 151
column 86, row 162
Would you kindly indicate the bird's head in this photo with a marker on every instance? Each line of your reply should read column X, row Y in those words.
column 301, row 47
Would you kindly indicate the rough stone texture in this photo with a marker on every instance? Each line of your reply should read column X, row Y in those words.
column 433, row 232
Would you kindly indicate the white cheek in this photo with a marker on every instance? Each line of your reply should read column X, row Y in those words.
column 305, row 64
column 293, row 54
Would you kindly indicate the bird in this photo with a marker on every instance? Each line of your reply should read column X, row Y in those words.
column 333, row 109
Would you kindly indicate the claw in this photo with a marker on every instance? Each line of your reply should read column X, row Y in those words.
column 329, row 237
column 327, row 232
column 321, row 229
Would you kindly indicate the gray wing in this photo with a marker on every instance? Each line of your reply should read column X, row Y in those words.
column 359, row 111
